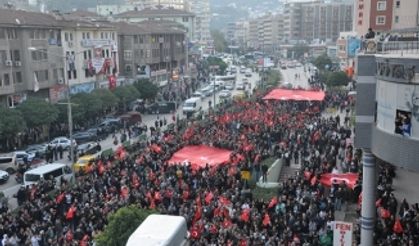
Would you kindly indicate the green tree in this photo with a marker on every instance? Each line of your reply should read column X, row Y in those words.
column 37, row 112
column 216, row 61
column 126, row 94
column 147, row 89
column 322, row 61
column 272, row 78
column 109, row 99
column 121, row 225
column 11, row 123
column 335, row 79
column 220, row 42
column 299, row 50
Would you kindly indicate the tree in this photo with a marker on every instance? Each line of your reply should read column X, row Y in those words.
column 147, row 89
column 121, row 225
column 220, row 42
column 272, row 78
column 11, row 123
column 299, row 50
column 322, row 62
column 216, row 61
column 109, row 99
column 126, row 94
column 335, row 79
column 37, row 112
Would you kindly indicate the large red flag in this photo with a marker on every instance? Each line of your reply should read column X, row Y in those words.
column 227, row 223
column 209, row 197
column 273, row 202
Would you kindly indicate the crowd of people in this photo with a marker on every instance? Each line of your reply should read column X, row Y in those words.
column 217, row 203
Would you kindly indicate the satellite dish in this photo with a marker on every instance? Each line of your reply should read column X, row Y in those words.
column 17, row 21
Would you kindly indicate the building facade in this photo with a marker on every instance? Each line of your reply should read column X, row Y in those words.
column 151, row 50
column 202, row 11
column 184, row 18
column 387, row 109
column 30, row 50
column 91, row 54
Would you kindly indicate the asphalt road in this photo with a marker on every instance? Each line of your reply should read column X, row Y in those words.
column 11, row 186
column 288, row 76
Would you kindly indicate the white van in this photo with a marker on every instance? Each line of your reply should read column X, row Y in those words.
column 8, row 163
column 163, row 230
column 192, row 105
column 55, row 170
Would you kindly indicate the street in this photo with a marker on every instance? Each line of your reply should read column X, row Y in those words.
column 11, row 186
column 288, row 76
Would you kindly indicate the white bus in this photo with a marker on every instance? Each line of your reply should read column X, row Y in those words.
column 226, row 79
column 161, row 230
column 48, row 171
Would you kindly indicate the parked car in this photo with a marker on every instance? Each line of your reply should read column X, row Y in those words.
column 229, row 87
column 100, row 133
column 207, row 91
column 88, row 148
column 131, row 118
column 4, row 176
column 84, row 137
column 225, row 94
column 161, row 108
column 62, row 141
column 38, row 149
column 240, row 86
column 22, row 155
column 198, row 94
column 110, row 125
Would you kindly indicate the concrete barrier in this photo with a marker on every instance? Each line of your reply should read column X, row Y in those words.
column 272, row 176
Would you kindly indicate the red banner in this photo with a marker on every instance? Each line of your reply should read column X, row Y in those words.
column 328, row 179
column 295, row 95
column 200, row 155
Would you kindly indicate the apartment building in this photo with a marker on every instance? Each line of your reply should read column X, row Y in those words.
column 324, row 21
column 201, row 10
column 253, row 39
column 405, row 14
column 30, row 50
column 143, row 4
column 292, row 21
column 90, row 51
column 151, row 49
column 186, row 19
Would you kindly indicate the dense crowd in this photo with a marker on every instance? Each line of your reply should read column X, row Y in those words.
column 216, row 202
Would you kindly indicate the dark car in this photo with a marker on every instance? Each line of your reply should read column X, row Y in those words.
column 110, row 125
column 99, row 132
column 83, row 137
column 90, row 148
column 161, row 108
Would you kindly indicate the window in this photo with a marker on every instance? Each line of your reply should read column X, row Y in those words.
column 113, row 36
column 66, row 37
column 71, row 36
column 396, row 19
column 2, row 34
column 39, row 55
column 101, row 35
column 83, row 35
column 42, row 75
column 17, row 78
column 16, row 55
column 6, row 79
column 127, row 55
column 141, row 39
column 1, row 81
column 397, row 4
column 185, row 19
column 88, row 35
column 380, row 20
column 11, row 33
column 53, row 174
column 135, row 39
column 381, row 5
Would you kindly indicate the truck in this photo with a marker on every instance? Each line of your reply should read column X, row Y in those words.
column 162, row 230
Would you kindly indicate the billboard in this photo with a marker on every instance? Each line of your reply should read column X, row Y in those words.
column 342, row 233
column 352, row 46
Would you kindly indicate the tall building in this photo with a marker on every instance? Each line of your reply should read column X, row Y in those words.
column 253, row 40
column 324, row 21
column 319, row 20
column 202, row 11
column 405, row 14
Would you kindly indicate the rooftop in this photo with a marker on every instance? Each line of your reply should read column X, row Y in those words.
column 12, row 17
column 160, row 12
column 146, row 27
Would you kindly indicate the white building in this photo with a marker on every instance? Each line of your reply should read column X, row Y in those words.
column 202, row 11
column 91, row 54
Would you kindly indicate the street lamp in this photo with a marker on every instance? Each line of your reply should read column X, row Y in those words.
column 68, row 103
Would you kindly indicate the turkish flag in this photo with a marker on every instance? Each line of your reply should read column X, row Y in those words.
column 227, row 223
column 266, row 220
column 195, row 233
column 60, row 198
column 100, row 168
column 224, row 201
column 273, row 202
column 245, row 215
column 71, row 212
column 378, row 203
column 384, row 213
column 135, row 180
column 213, row 229
column 307, row 175
column 397, row 227
column 84, row 241
column 124, row 192
column 209, row 197
column 313, row 181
